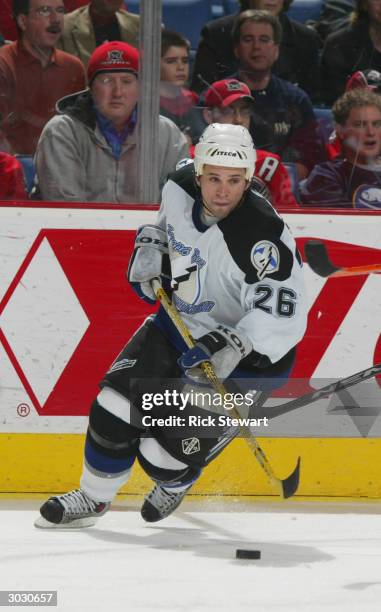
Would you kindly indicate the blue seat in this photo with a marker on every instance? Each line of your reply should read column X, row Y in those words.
column 185, row 16
column 293, row 174
column 325, row 122
column 29, row 170
column 305, row 10
column 231, row 6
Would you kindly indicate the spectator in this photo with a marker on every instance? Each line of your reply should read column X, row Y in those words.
column 88, row 152
column 33, row 74
column 286, row 109
column 12, row 184
column 176, row 101
column 356, row 47
column 334, row 16
column 7, row 23
column 102, row 20
column 230, row 101
column 368, row 79
column 354, row 179
column 298, row 57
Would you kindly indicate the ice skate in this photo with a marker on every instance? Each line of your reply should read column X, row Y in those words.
column 69, row 511
column 161, row 502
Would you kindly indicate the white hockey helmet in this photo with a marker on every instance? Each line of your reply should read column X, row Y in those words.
column 223, row 144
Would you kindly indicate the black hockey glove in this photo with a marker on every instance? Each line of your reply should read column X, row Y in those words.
column 223, row 347
column 149, row 260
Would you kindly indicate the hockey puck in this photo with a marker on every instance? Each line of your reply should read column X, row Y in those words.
column 241, row 553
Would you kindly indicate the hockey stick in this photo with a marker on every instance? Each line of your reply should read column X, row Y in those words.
column 318, row 259
column 313, row 396
column 286, row 487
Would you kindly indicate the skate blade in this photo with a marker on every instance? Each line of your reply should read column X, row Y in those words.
column 42, row 523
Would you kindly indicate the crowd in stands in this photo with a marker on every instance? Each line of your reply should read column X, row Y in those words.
column 309, row 93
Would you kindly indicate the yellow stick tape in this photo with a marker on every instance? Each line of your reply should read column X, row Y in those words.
column 330, row 467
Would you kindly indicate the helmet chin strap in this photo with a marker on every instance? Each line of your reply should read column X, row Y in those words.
column 207, row 210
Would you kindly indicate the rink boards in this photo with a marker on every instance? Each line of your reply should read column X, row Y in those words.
column 66, row 310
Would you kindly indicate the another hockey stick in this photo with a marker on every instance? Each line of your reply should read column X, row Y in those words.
column 313, row 396
column 286, row 487
column 318, row 259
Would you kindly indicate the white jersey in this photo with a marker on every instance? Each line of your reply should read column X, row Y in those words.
column 244, row 271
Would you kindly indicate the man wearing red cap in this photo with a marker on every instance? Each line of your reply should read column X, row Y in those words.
column 230, row 101
column 88, row 152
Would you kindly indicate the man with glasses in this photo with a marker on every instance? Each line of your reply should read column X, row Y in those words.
column 33, row 74
column 230, row 101
column 96, row 158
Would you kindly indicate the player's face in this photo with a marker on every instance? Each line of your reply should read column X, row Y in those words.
column 238, row 113
column 174, row 66
column 115, row 95
column 222, row 189
column 43, row 24
column 256, row 50
column 362, row 135
column 272, row 6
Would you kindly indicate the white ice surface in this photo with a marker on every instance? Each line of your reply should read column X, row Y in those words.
column 315, row 557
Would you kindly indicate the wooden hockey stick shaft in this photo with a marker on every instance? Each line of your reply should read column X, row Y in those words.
column 319, row 261
column 286, row 487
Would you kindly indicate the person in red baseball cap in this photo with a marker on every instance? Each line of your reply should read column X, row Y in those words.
column 368, row 79
column 230, row 101
column 88, row 152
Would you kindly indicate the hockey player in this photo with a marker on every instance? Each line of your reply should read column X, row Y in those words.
column 236, row 281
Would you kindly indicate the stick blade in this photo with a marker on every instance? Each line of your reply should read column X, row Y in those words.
column 290, row 484
column 317, row 258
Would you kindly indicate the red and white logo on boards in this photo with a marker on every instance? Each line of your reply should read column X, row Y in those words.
column 69, row 311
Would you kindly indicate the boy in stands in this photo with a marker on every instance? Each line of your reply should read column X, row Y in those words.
column 353, row 178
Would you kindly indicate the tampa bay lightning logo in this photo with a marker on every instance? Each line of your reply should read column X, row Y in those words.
column 265, row 258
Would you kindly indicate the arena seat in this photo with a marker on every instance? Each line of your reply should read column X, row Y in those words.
column 29, row 170
column 305, row 10
column 231, row 6
column 186, row 16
